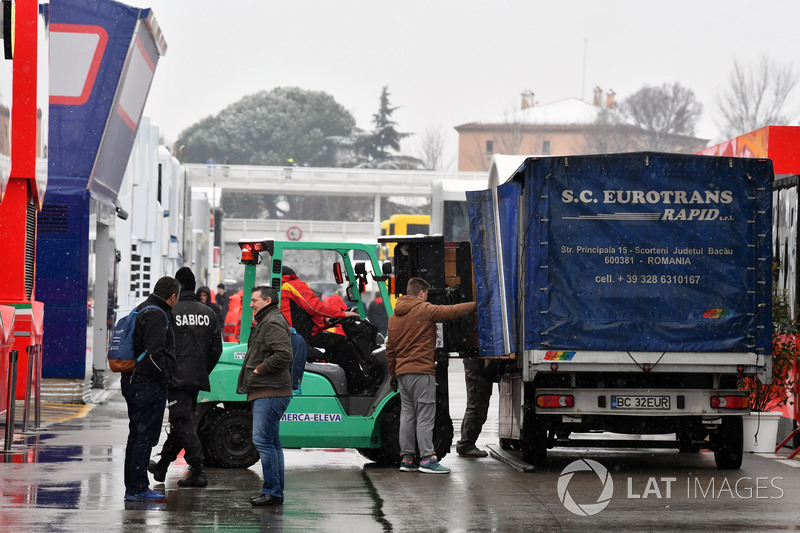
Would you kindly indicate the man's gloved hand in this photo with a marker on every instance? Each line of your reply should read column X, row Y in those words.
column 393, row 383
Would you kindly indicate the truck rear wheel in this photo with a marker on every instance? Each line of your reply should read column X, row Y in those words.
column 534, row 441
column 227, row 437
column 729, row 443
column 509, row 444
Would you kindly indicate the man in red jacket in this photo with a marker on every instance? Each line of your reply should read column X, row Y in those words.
column 233, row 320
column 411, row 354
column 308, row 314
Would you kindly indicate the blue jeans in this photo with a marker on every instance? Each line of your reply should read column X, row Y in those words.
column 267, row 413
column 146, row 402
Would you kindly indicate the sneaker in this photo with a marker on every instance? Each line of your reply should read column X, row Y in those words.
column 474, row 452
column 408, row 466
column 432, row 466
column 146, row 496
column 159, row 472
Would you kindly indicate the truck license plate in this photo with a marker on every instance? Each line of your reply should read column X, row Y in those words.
column 640, row 402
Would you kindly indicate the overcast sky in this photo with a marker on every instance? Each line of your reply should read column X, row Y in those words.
column 450, row 62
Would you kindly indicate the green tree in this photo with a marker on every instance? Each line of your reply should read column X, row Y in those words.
column 270, row 128
column 374, row 149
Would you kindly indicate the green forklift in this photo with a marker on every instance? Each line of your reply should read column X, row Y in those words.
column 323, row 413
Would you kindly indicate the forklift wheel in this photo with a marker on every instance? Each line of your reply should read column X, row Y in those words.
column 227, row 438
column 442, row 432
column 389, row 452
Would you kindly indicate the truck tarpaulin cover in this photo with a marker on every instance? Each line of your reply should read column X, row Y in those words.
column 493, row 225
column 644, row 252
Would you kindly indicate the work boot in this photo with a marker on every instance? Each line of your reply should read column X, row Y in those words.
column 474, row 452
column 159, row 470
column 197, row 477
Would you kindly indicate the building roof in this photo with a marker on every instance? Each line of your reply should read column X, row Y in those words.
column 572, row 111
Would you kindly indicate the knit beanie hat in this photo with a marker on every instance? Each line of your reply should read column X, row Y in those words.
column 185, row 276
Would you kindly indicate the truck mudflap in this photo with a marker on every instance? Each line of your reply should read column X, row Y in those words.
column 573, row 403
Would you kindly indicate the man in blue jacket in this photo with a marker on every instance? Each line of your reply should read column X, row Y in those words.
column 198, row 345
column 145, row 388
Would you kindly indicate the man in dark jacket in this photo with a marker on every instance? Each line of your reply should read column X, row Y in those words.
column 376, row 313
column 480, row 376
column 198, row 345
column 145, row 388
column 221, row 299
column 204, row 295
column 266, row 380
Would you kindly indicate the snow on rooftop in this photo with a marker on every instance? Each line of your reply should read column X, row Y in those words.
column 503, row 166
column 562, row 112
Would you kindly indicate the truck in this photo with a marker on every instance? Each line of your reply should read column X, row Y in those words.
column 323, row 412
column 627, row 294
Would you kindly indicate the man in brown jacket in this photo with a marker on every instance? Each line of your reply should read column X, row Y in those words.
column 410, row 352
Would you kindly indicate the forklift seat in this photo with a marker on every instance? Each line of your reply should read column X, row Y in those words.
column 333, row 373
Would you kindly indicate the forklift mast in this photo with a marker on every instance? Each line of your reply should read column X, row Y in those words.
column 447, row 266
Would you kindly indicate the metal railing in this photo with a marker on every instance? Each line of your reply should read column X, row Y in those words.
column 320, row 181
column 235, row 229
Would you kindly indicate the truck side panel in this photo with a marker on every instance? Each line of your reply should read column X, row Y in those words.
column 650, row 252
column 646, row 252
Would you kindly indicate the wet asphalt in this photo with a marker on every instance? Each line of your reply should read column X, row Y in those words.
column 68, row 477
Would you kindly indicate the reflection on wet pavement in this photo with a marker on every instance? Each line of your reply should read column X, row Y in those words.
column 69, row 477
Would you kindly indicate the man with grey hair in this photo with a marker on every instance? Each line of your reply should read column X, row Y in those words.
column 266, row 380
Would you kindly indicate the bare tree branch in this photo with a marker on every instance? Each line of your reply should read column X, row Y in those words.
column 432, row 146
column 663, row 112
column 756, row 97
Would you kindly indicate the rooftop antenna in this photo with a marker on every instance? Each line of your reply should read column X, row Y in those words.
column 583, row 81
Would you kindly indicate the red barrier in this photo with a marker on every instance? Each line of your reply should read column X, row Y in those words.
column 28, row 333
column 6, row 345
